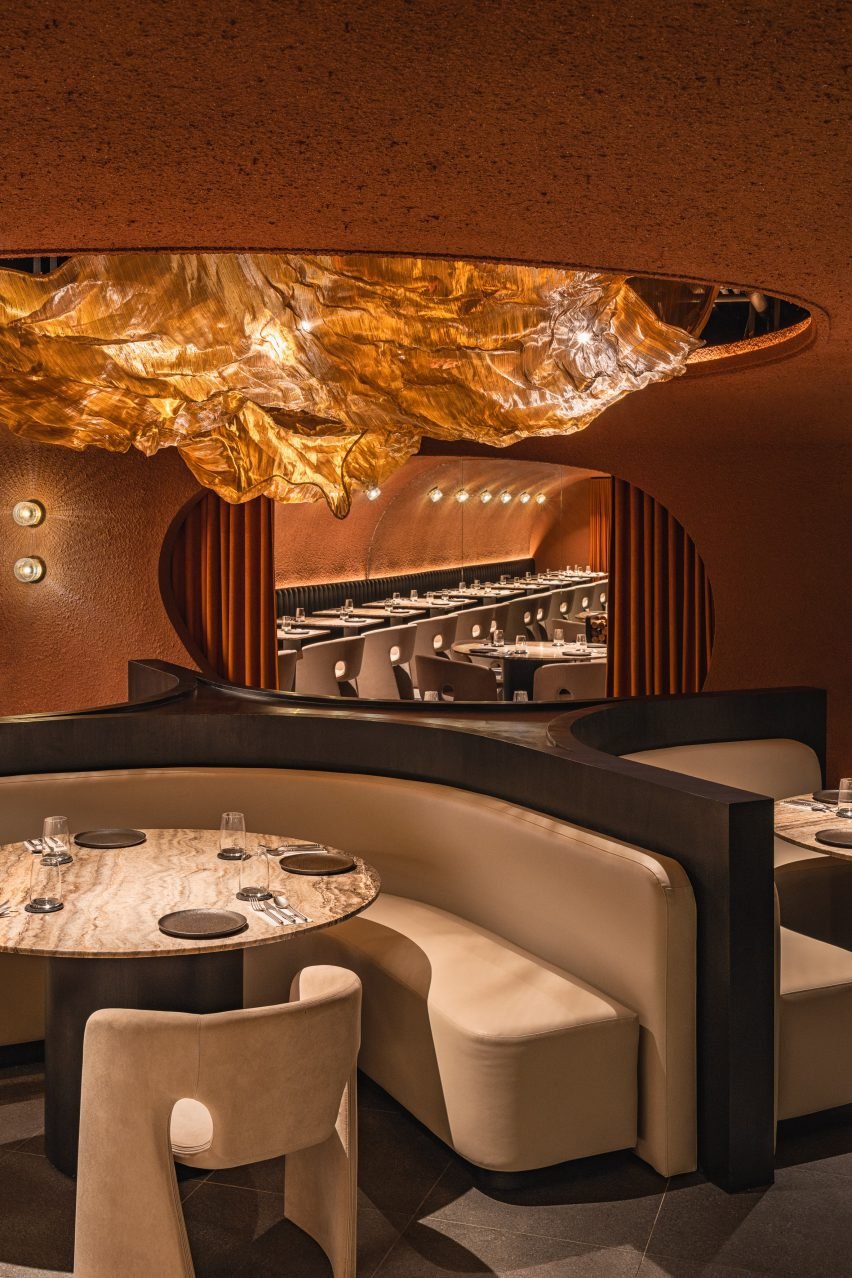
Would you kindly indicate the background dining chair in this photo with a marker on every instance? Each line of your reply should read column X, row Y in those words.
column 434, row 636
column 577, row 679
column 385, row 664
column 330, row 669
column 456, row 680
column 472, row 626
column 287, row 669
column 217, row 1091
column 520, row 617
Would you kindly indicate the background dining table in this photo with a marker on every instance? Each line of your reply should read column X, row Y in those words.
column 519, row 663
column 799, row 825
column 105, row 948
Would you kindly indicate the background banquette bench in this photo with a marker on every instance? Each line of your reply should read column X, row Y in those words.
column 529, row 985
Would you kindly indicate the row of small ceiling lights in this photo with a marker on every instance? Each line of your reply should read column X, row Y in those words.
column 463, row 495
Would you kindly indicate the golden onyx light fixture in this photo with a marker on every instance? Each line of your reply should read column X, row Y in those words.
column 302, row 376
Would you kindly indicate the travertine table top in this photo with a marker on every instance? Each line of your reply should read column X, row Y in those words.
column 798, row 825
column 114, row 898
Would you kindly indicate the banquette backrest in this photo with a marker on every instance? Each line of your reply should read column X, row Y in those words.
column 777, row 767
column 614, row 915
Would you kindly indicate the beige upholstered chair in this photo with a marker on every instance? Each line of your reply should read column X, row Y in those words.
column 520, row 617
column 473, row 625
column 330, row 669
column 287, row 669
column 385, row 664
column 456, row 680
column 434, row 636
column 217, row 1091
column 577, row 679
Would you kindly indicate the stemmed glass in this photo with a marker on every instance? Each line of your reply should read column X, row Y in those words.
column 57, row 840
column 45, row 895
column 232, row 837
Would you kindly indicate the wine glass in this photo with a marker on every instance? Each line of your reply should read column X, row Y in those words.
column 57, row 840
column 45, row 894
column 232, row 837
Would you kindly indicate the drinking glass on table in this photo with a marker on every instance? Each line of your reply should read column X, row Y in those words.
column 254, row 876
column 348, row 606
column 414, row 596
column 286, row 624
column 558, row 637
column 498, row 639
column 300, row 616
column 844, row 798
column 521, row 643
column 520, row 695
column 431, row 695
column 232, row 837
column 45, row 894
column 461, row 585
column 57, row 840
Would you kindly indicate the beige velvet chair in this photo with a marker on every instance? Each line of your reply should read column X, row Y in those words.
column 472, row 626
column 385, row 664
column 330, row 669
column 217, row 1091
column 456, row 680
column 435, row 636
column 287, row 669
column 570, row 679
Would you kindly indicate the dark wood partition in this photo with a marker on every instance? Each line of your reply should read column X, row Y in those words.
column 566, row 766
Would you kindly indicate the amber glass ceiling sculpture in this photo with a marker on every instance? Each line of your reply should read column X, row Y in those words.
column 301, row 376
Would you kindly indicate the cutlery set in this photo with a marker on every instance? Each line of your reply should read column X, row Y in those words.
column 281, row 911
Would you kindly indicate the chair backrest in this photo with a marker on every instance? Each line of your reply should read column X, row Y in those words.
column 456, row 680
column 384, row 672
column 520, row 616
column 474, row 624
column 330, row 669
column 434, row 635
column 541, row 609
column 578, row 679
column 776, row 766
column 501, row 613
column 287, row 669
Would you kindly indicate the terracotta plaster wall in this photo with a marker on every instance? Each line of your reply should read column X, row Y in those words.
column 567, row 539
column 404, row 531
column 65, row 642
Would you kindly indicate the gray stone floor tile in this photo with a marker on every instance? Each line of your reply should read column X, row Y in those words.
column 36, row 1214
column 453, row 1247
column 610, row 1201
column 667, row 1267
column 799, row 1228
column 398, row 1161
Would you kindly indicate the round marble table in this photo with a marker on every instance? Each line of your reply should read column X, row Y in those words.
column 104, row 948
column 519, row 667
column 799, row 826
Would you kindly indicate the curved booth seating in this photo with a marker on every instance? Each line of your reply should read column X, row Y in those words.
column 434, row 636
column 287, row 669
column 456, row 680
column 385, row 664
column 569, row 680
column 814, row 1027
column 776, row 767
column 605, row 941
column 217, row 1091
column 330, row 669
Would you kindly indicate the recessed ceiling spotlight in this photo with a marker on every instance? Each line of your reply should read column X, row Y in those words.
column 524, row 498
column 373, row 492
column 28, row 513
column 29, row 570
column 485, row 497
column 505, row 496
column 462, row 495
column 435, row 494
column 541, row 498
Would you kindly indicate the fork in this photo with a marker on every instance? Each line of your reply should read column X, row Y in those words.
column 260, row 908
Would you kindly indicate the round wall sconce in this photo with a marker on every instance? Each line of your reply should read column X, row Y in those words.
column 541, row 498
column 29, row 570
column 373, row 492
column 485, row 497
column 462, row 495
column 28, row 514
column 524, row 498
column 505, row 496
column 435, row 494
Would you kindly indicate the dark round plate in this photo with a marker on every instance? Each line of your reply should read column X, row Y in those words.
column 834, row 838
column 317, row 863
column 826, row 796
column 109, row 838
column 202, row 925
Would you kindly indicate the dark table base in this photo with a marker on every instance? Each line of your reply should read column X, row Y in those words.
column 78, row 987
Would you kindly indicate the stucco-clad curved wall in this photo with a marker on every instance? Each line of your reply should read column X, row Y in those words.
column 402, row 530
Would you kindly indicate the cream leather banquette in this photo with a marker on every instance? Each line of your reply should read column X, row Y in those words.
column 529, row 986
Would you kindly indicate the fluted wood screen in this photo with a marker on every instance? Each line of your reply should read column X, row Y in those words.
column 600, row 514
column 223, row 588
column 660, row 601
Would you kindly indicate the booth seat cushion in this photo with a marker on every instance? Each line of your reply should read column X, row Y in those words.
column 510, row 1060
column 815, row 1029
column 777, row 767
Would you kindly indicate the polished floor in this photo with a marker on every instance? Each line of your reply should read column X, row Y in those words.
column 422, row 1216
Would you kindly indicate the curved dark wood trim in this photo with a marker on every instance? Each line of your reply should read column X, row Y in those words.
column 164, row 579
